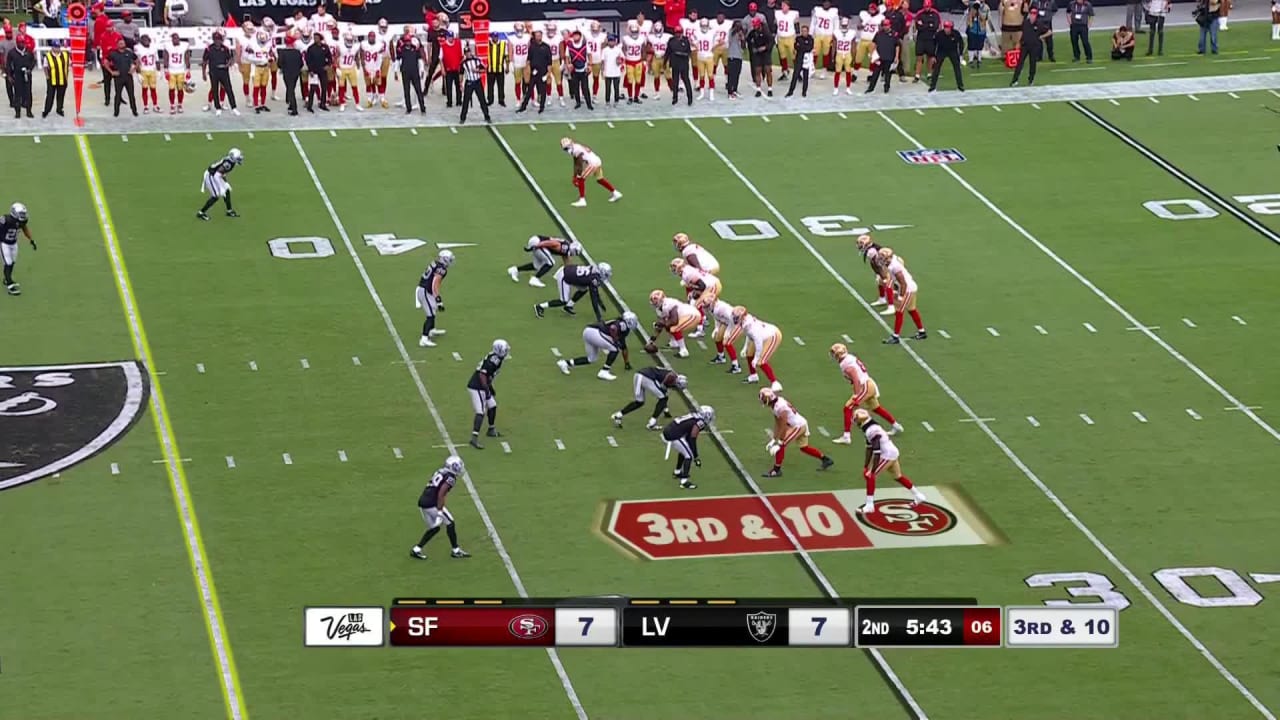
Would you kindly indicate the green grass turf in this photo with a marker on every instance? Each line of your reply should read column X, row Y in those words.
column 1160, row 494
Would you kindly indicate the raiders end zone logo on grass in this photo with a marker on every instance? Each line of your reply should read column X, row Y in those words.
column 676, row 528
column 53, row 417
column 947, row 156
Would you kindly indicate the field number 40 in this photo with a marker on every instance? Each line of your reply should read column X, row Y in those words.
column 1174, row 580
column 1192, row 209
column 308, row 248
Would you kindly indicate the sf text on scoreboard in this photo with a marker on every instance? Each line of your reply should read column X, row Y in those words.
column 612, row 621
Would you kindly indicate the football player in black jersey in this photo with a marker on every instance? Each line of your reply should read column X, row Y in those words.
column 606, row 337
column 434, row 514
column 216, row 185
column 427, row 296
column 682, row 434
column 544, row 249
column 651, row 381
column 574, row 281
column 480, row 387
column 14, row 222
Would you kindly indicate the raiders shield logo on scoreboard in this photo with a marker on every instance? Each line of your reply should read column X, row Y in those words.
column 761, row 625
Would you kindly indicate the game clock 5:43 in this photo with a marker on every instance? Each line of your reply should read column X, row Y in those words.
column 907, row 626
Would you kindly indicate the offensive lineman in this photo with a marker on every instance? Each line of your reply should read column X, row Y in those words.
column 651, row 381
column 216, row 185
column 10, row 225
column 427, row 296
column 882, row 454
column 543, row 248
column 682, row 434
column 434, row 514
column 574, row 281
column 483, row 398
column 609, row 338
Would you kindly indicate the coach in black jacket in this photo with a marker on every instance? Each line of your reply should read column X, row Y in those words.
column 289, row 59
column 678, row 53
column 949, row 45
column 887, row 44
column 539, row 66
column 318, row 59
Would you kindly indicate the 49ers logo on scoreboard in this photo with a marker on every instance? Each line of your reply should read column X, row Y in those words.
column 723, row 526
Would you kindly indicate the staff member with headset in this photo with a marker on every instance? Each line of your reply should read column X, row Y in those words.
column 576, row 58
column 215, row 67
column 947, row 45
column 408, row 51
column 678, row 52
column 472, row 83
column 498, row 64
column 57, row 70
column 539, row 66
column 289, row 60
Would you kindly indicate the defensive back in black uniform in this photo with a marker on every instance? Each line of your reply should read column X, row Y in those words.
column 604, row 337
column 682, row 434
column 545, row 249
column 651, row 381
column 431, row 503
column 13, row 222
column 215, row 183
column 427, row 296
column 574, row 281
column 480, row 387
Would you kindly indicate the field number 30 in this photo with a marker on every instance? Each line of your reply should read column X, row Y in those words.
column 1192, row 209
column 818, row 225
column 1174, row 580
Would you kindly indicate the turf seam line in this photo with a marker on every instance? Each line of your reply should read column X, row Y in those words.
column 499, row 546
column 802, row 555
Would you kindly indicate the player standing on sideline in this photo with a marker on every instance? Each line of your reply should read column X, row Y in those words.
column 148, row 66
column 789, row 426
column 216, row 185
column 10, row 225
column 682, row 434
column 484, row 399
column 882, row 454
column 427, row 296
column 896, row 272
column 651, row 381
column 823, row 21
column 574, row 281
column 788, row 21
column 373, row 58
column 585, row 164
column 607, row 337
column 543, row 248
column 845, row 38
column 866, row 394
column 434, row 514
column 178, row 59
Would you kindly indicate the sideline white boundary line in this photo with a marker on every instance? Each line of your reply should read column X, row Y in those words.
column 904, row 694
column 435, row 415
column 986, row 429
column 1133, row 321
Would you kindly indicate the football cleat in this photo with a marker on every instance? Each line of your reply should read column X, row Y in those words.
column 687, row 485
column 535, row 282
column 475, row 443
column 493, row 432
column 233, row 214
column 13, row 289
column 868, row 507
column 844, row 439
column 568, row 310
column 893, row 340
column 719, row 359
column 563, row 365
column 682, row 352
column 617, row 419
column 776, row 386
column 606, row 375
column 459, row 553
column 881, row 301
column 581, row 202
column 652, row 424
column 773, row 472
column 752, row 378
column 515, row 274
column 827, row 463
column 922, row 335
column 734, row 369
column 897, row 429
column 615, row 196
column 425, row 341
column 538, row 310
column 888, row 311
column 417, row 554
column 202, row 215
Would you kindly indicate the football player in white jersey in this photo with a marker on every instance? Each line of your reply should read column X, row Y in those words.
column 723, row 29
column 148, row 56
column 596, row 39
column 789, row 426
column 763, row 339
column 177, row 58
column 869, row 22
column 788, row 22
column 896, row 269
column 555, row 40
column 260, row 52
column 587, row 164
column 519, row 42
column 722, row 313
column 273, row 33
column 845, row 38
column 881, row 455
column 866, row 394
column 695, row 254
column 704, row 43
column 658, row 40
column 689, row 26
column 348, row 71
column 633, row 45
column 823, row 26
column 372, row 53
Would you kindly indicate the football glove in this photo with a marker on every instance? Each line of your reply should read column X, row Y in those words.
column 440, row 303
column 33, row 244
column 627, row 365
column 697, row 461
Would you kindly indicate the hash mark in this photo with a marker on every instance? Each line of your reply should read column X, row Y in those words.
column 250, row 136
column 342, row 456
column 288, row 459
column 803, row 116
column 115, row 469
column 823, row 432
column 958, row 111
column 727, row 121
column 846, row 338
column 208, row 136
column 355, row 360
column 397, row 453
column 572, row 126
column 1188, row 323
column 413, row 130
column 1239, row 320
column 1113, row 101
column 1194, row 415
column 978, row 420
column 843, row 116
column 799, row 340
column 1033, row 421
column 231, row 462
column 613, row 442
column 333, row 133
column 1139, row 416
column 1087, row 420
column 457, row 356
column 253, row 365
column 373, row 132
column 1154, row 100
column 124, row 138
column 37, row 138
column 556, row 352
column 919, row 111
column 702, row 345
column 610, row 124
column 649, row 123
column 1193, row 97
column 765, row 118
column 200, row 368
column 1040, row 329
column 559, row 444
column 506, row 448
column 167, row 138
column 944, row 334
column 453, row 130
column 533, row 127
column 927, row 426
column 1234, row 96
column 305, row 365
column 1090, row 328
column 1034, row 105
column 994, row 332
column 996, row 108
column 1264, row 577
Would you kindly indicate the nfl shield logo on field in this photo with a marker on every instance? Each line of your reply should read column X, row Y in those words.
column 931, row 156
column 761, row 625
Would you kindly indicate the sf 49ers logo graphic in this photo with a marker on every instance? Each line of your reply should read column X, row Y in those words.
column 528, row 627
column 900, row 517
column 53, row 417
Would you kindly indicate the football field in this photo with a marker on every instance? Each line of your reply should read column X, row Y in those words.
column 249, row 419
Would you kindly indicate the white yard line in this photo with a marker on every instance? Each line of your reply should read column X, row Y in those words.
column 498, row 545
column 968, row 410
column 1133, row 321
column 804, row 555
column 199, row 559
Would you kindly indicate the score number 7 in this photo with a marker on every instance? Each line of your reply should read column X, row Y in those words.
column 819, row 622
column 586, row 624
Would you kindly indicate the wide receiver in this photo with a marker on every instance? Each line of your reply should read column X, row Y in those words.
column 587, row 164
column 866, row 394
column 882, row 455
column 789, row 426
column 896, row 274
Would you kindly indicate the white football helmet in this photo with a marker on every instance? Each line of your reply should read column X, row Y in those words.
column 445, row 258
column 235, row 156
column 566, row 144
column 501, row 348
column 605, row 270
column 595, row 26
column 633, row 27
column 532, row 242
column 18, row 210
column 657, row 28
column 630, row 320
column 706, row 413
column 682, row 382
column 453, row 464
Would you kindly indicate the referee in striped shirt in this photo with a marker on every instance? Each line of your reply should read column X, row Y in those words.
column 498, row 62
column 473, row 86
column 57, row 68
